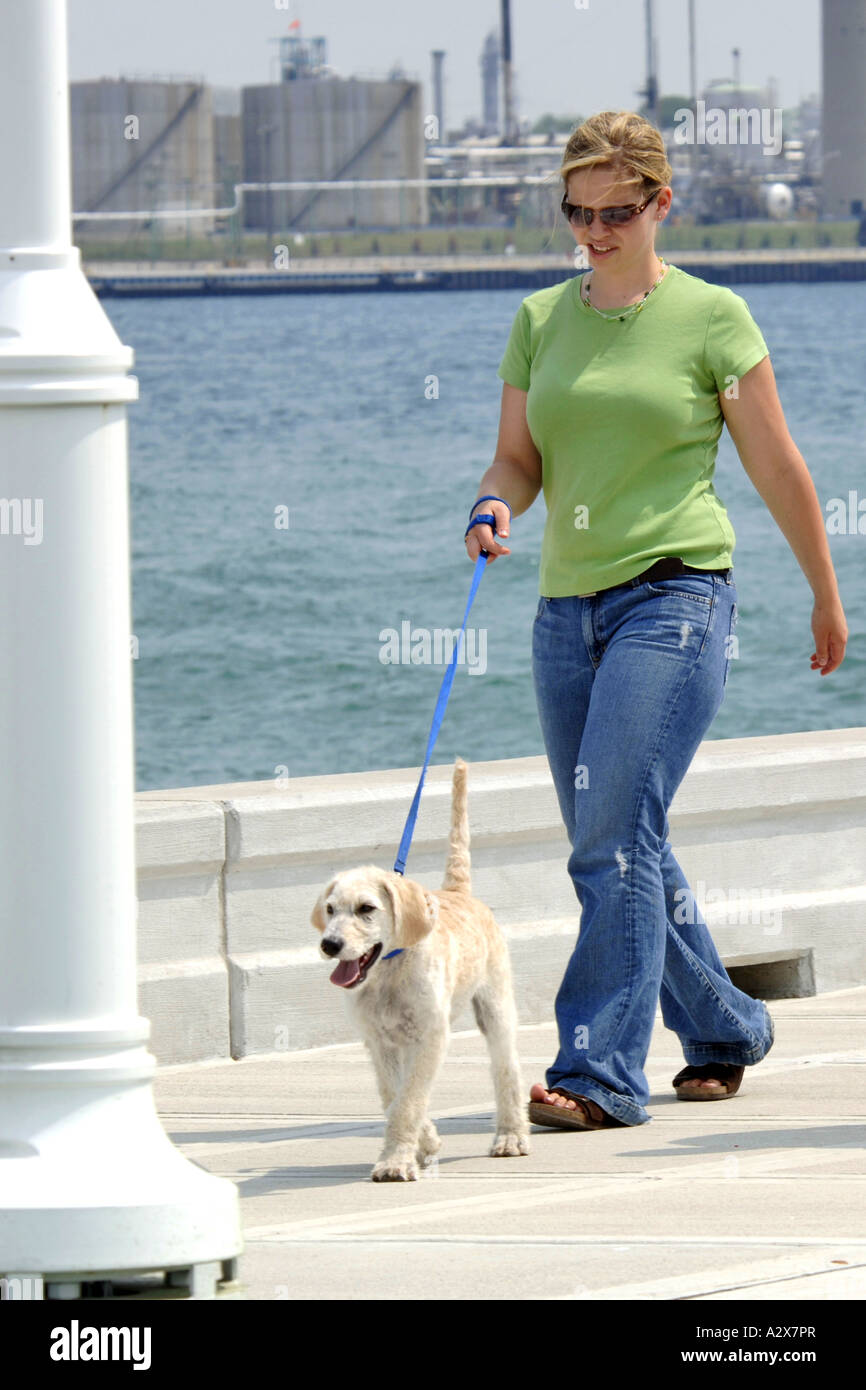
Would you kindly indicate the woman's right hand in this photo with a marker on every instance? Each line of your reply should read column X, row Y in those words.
column 482, row 537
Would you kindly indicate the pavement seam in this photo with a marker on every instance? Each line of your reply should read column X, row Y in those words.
column 556, row 1192
column 729, row 1279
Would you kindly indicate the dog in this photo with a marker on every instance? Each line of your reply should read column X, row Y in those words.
column 451, row 950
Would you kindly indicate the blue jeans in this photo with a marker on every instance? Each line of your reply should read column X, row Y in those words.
column 627, row 682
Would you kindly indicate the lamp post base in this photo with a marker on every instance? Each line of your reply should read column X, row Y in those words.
column 217, row 1279
column 92, row 1188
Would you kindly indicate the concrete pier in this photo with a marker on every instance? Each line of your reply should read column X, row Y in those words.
column 760, row 1198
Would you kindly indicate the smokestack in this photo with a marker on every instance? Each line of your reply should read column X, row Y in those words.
column 490, row 62
column 693, row 90
column 651, row 93
column 509, row 132
column 438, row 56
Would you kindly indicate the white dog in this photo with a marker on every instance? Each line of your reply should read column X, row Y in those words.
column 452, row 951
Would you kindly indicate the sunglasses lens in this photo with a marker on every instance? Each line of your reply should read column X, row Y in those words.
column 609, row 216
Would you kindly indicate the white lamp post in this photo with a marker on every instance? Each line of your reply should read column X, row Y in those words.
column 90, row 1185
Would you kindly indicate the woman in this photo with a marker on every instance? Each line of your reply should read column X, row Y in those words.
column 617, row 386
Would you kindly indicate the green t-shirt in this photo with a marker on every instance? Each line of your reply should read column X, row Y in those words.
column 626, row 417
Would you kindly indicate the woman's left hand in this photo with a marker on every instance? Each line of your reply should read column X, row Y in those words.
column 830, row 632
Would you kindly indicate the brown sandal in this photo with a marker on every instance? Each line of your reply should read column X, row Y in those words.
column 586, row 1115
column 726, row 1072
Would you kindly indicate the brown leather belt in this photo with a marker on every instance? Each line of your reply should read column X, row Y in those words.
column 667, row 568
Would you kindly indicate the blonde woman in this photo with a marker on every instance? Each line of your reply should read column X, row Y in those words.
column 617, row 385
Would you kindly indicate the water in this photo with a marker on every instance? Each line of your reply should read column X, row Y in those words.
column 259, row 646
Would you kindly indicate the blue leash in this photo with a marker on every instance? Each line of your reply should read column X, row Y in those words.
column 438, row 714
column 487, row 519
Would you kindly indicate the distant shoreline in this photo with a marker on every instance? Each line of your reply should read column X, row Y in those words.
column 379, row 274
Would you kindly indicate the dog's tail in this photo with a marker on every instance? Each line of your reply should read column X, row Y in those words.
column 457, row 870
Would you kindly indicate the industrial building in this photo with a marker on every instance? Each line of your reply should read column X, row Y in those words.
column 144, row 145
column 843, row 41
column 227, row 142
column 314, row 125
column 141, row 145
column 162, row 145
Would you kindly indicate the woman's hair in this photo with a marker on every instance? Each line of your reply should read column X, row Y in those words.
column 626, row 143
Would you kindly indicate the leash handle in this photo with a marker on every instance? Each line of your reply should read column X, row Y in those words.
column 438, row 714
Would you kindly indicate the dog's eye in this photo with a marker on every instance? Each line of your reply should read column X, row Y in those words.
column 367, row 907
column 330, row 909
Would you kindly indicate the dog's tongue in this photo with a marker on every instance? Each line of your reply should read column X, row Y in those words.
column 346, row 973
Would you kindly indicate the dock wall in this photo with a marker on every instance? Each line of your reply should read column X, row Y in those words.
column 770, row 832
column 424, row 273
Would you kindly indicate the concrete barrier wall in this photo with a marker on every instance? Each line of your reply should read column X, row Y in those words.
column 771, row 834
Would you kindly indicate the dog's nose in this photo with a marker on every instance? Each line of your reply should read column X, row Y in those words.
column 331, row 947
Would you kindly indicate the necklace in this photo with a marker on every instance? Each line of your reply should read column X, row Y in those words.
column 631, row 308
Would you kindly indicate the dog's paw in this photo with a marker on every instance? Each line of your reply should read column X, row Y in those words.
column 395, row 1168
column 509, row 1145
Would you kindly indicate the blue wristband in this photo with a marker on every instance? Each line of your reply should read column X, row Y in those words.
column 482, row 519
column 489, row 498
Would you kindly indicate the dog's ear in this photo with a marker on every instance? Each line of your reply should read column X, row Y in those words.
column 415, row 910
column 317, row 916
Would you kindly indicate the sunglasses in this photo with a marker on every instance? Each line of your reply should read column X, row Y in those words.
column 611, row 217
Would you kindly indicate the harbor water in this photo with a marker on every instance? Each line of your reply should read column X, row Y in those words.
column 302, row 469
